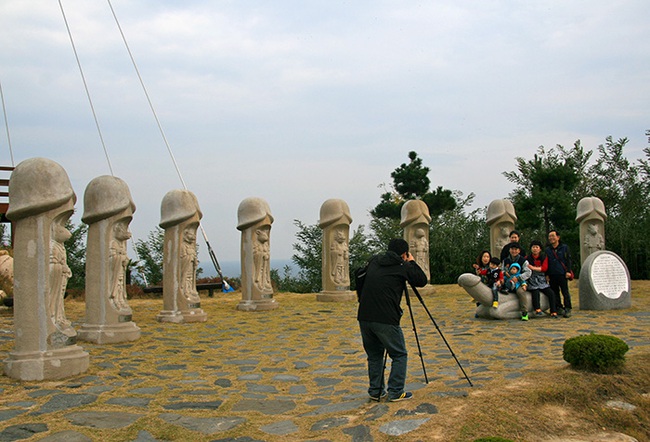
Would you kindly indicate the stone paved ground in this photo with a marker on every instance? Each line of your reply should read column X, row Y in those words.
column 295, row 373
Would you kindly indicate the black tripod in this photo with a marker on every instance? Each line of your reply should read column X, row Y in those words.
column 417, row 340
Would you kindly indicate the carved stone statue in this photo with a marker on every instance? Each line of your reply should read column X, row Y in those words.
column 179, row 217
column 415, row 221
column 254, row 220
column 42, row 201
column 108, row 211
column 591, row 215
column 501, row 219
column 335, row 221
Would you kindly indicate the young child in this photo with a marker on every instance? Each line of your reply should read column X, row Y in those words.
column 514, row 272
column 495, row 279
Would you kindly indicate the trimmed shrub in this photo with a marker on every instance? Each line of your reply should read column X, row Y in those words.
column 596, row 353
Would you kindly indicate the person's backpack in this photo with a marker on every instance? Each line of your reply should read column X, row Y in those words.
column 360, row 278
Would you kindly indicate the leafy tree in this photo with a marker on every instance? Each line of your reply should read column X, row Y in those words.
column 411, row 181
column 546, row 193
column 75, row 248
column 624, row 189
column 308, row 257
column 150, row 256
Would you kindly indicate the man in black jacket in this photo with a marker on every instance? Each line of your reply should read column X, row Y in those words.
column 379, row 316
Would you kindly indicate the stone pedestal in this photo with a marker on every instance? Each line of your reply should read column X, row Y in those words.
column 415, row 221
column 604, row 282
column 180, row 217
column 335, row 221
column 501, row 220
column 591, row 216
column 254, row 220
column 108, row 210
column 42, row 201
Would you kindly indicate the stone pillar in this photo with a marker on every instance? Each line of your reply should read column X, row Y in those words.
column 254, row 220
column 335, row 221
column 415, row 221
column 179, row 217
column 42, row 201
column 591, row 216
column 501, row 220
column 108, row 210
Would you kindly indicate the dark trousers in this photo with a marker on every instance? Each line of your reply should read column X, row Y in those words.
column 550, row 294
column 377, row 339
column 559, row 283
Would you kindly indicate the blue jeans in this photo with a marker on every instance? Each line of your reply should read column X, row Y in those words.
column 377, row 339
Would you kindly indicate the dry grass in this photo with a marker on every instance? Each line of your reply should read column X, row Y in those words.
column 549, row 401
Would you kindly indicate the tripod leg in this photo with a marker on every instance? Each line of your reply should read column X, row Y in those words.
column 417, row 340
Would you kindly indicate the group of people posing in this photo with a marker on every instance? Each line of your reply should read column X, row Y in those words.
column 543, row 270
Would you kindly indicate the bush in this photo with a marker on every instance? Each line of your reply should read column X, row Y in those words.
column 595, row 353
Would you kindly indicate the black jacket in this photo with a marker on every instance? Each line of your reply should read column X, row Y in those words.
column 382, row 291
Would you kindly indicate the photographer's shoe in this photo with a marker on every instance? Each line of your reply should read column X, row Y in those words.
column 567, row 312
column 378, row 398
column 402, row 397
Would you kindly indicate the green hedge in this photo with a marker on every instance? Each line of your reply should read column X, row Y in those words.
column 596, row 353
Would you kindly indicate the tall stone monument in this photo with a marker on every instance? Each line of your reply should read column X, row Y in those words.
column 591, row 216
column 604, row 282
column 179, row 217
column 415, row 219
column 501, row 220
column 335, row 221
column 42, row 201
column 108, row 211
column 254, row 220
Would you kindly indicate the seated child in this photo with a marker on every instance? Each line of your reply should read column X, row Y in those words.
column 495, row 279
column 513, row 278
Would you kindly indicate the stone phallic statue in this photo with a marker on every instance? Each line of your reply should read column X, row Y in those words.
column 501, row 219
column 254, row 220
column 335, row 221
column 591, row 215
column 108, row 211
column 179, row 217
column 415, row 219
column 42, row 201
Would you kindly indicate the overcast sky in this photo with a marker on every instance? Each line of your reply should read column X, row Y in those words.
column 297, row 102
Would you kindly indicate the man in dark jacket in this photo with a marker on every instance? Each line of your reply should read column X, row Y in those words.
column 559, row 272
column 379, row 316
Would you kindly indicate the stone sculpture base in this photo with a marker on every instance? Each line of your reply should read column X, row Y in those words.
column 257, row 305
column 182, row 316
column 109, row 333
column 46, row 365
column 336, row 296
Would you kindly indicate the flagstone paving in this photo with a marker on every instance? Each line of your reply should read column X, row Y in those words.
column 294, row 373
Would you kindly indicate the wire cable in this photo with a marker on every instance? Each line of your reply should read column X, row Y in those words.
column 211, row 253
column 83, row 78
column 4, row 111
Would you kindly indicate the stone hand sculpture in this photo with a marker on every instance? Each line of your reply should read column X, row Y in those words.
column 508, row 303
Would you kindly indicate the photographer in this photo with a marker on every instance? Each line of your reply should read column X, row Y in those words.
column 379, row 317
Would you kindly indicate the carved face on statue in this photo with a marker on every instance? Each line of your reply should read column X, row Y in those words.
column 122, row 231
column 60, row 233
column 189, row 236
column 262, row 235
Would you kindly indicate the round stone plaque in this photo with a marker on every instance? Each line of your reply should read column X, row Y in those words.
column 609, row 276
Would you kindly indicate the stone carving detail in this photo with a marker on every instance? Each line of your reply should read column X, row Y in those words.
column 591, row 215
column 42, row 200
column 415, row 219
column 108, row 211
column 179, row 217
column 335, row 221
column 254, row 220
column 501, row 219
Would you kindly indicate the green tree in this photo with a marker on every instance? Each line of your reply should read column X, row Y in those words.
column 308, row 256
column 411, row 181
column 75, row 248
column 624, row 189
column 150, row 256
column 548, row 189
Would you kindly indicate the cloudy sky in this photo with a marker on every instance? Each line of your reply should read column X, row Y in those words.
column 297, row 102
